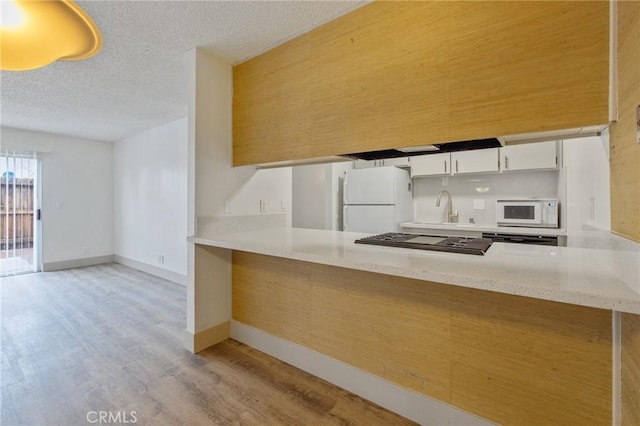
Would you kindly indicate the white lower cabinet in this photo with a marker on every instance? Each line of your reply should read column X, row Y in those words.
column 431, row 165
column 476, row 161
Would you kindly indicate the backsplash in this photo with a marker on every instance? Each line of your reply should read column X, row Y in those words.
column 465, row 189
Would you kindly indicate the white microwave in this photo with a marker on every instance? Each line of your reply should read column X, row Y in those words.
column 534, row 212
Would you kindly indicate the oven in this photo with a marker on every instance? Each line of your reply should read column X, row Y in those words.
column 539, row 240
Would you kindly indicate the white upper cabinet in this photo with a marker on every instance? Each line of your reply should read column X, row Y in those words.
column 529, row 156
column 431, row 165
column 363, row 164
column 397, row 161
column 476, row 161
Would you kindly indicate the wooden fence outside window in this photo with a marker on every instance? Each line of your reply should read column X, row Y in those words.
column 16, row 213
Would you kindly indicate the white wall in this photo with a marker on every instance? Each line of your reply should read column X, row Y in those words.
column 309, row 206
column 150, row 197
column 77, row 193
column 465, row 189
column 586, row 162
column 215, row 188
column 219, row 188
column 246, row 186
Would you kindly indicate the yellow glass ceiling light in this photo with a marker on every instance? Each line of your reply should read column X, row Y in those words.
column 35, row 33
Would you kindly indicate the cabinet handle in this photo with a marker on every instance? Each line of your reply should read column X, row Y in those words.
column 506, row 162
column 456, row 166
column 445, row 166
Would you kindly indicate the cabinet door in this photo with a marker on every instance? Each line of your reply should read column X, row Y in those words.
column 520, row 67
column 398, row 162
column 363, row 164
column 476, row 161
column 431, row 165
column 271, row 106
column 378, row 76
column 530, row 156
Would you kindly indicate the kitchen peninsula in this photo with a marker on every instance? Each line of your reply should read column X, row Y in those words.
column 522, row 335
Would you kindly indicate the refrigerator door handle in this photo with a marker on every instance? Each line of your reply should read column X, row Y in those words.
column 344, row 190
column 344, row 218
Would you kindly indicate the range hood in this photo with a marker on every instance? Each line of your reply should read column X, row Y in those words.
column 427, row 149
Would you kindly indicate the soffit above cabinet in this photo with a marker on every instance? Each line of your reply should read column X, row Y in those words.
column 579, row 132
column 305, row 162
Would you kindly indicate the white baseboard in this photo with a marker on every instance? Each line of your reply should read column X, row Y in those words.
column 412, row 405
column 152, row 270
column 203, row 339
column 76, row 263
column 616, row 368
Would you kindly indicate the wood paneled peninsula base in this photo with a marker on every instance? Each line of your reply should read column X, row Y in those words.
column 506, row 358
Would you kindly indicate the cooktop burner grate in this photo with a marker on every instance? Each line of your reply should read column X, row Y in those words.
column 465, row 245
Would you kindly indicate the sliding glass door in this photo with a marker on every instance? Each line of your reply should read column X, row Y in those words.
column 19, row 213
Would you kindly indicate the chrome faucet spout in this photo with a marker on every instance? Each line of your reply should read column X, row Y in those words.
column 451, row 216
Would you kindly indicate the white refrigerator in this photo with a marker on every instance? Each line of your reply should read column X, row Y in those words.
column 376, row 200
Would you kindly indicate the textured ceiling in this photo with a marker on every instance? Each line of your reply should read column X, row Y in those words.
column 137, row 81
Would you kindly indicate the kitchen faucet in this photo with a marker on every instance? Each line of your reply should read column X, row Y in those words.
column 451, row 216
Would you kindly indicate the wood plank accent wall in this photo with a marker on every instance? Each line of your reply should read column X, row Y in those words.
column 381, row 77
column 393, row 74
column 513, row 360
column 630, row 370
column 271, row 102
column 625, row 151
column 625, row 189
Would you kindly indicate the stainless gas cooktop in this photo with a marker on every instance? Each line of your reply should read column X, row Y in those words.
column 466, row 245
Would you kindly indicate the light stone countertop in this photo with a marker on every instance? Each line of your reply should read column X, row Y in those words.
column 485, row 228
column 598, row 278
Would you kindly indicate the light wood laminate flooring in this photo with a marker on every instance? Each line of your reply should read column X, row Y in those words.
column 107, row 341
